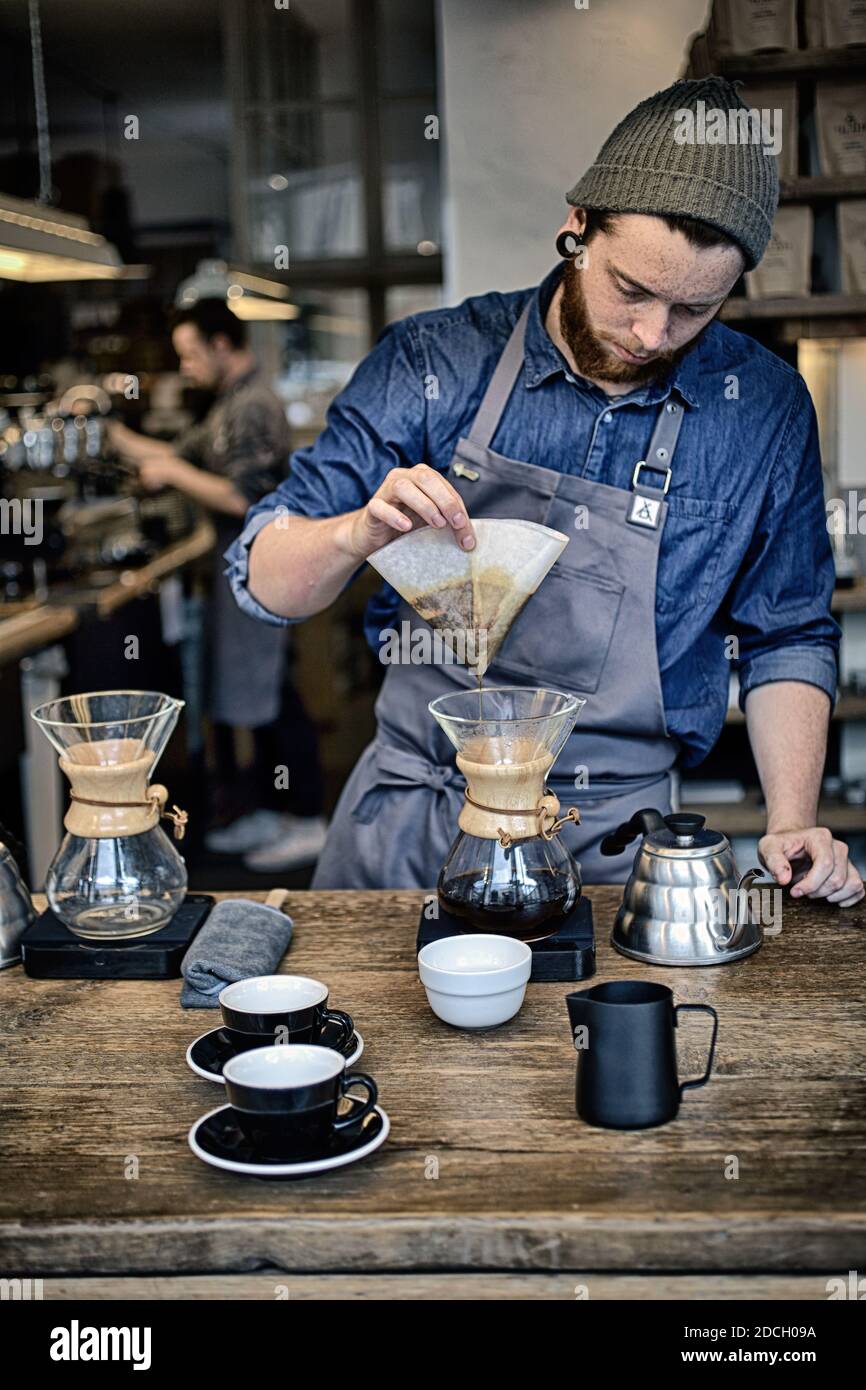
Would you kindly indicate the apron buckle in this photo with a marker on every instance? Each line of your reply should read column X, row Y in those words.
column 642, row 463
column 643, row 510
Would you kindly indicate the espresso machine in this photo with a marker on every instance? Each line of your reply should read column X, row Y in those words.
column 57, row 462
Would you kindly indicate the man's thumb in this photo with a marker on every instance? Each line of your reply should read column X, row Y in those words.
column 776, row 862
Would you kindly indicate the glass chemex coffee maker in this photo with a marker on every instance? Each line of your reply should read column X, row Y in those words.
column 116, row 874
column 508, row 871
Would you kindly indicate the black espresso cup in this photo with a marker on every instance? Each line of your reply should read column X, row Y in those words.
column 285, row 1098
column 282, row 1009
column 624, row 1032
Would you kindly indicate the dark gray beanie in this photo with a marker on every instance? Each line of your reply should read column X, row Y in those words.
column 642, row 167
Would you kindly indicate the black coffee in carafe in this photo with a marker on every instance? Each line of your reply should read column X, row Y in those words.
column 531, row 912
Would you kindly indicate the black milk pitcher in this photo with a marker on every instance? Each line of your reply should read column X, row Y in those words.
column 627, row 1057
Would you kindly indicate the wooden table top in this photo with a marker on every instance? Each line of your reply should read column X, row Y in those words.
column 487, row 1167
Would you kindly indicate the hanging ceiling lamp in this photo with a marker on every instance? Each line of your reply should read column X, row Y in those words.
column 248, row 296
column 37, row 241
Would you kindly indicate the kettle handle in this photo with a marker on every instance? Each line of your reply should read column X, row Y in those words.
column 702, row 1009
column 641, row 823
column 727, row 943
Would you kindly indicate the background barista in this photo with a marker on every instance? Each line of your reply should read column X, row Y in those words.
column 551, row 397
column 226, row 463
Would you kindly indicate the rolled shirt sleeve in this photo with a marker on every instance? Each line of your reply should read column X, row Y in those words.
column 779, row 604
column 376, row 423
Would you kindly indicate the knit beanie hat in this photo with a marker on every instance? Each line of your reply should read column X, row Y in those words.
column 690, row 151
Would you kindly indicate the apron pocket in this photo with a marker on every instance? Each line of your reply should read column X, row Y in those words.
column 565, row 635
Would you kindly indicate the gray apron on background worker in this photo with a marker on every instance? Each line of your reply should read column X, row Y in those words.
column 245, row 660
column 589, row 630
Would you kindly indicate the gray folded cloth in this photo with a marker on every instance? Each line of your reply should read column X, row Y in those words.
column 240, row 938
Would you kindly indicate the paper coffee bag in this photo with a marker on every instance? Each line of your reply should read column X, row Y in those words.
column 835, row 23
column 757, row 26
column 777, row 102
column 786, row 265
column 851, row 223
column 840, row 117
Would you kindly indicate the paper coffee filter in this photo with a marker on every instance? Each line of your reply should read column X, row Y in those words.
column 471, row 596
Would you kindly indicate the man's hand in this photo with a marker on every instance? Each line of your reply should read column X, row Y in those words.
column 408, row 498
column 158, row 471
column 831, row 875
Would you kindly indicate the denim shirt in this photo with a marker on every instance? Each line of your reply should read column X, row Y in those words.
column 744, row 552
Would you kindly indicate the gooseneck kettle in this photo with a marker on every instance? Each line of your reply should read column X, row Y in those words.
column 685, row 902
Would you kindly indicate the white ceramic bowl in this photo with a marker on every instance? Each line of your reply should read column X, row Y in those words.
column 475, row 981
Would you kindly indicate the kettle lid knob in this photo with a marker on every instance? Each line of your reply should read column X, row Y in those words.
column 685, row 825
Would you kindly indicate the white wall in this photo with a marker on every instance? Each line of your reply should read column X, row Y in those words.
column 530, row 89
column 852, row 412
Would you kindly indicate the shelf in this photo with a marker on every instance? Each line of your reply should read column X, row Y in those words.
column 808, row 306
column 800, row 62
column 748, row 817
column 852, row 600
column 805, row 188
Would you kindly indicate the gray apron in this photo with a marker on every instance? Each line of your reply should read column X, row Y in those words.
column 589, row 629
column 246, row 658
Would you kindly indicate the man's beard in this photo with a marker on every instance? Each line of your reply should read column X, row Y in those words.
column 592, row 359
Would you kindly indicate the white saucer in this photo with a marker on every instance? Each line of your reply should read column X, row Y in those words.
column 216, row 1076
column 287, row 1170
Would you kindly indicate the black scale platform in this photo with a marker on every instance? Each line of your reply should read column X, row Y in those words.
column 50, row 951
column 566, row 956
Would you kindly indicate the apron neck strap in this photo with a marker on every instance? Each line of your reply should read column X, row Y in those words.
column 501, row 385
column 662, row 445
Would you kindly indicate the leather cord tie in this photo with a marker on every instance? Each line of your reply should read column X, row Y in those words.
column 178, row 817
column 548, row 824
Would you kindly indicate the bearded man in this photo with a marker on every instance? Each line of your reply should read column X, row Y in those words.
column 608, row 394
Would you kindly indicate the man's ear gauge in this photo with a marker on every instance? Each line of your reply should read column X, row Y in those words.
column 568, row 244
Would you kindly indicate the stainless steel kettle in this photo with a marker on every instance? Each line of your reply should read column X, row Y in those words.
column 679, row 906
column 16, row 909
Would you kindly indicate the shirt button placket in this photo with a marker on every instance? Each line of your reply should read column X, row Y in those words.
column 596, row 453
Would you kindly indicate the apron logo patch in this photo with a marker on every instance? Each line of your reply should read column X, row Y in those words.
column 644, row 511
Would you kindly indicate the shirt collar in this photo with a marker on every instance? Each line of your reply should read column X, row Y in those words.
column 243, row 380
column 542, row 359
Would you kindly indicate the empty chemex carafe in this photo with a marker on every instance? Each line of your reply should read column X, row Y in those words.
column 116, row 873
column 624, row 1032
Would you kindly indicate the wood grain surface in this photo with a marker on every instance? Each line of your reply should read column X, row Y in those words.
column 487, row 1170
column 34, row 627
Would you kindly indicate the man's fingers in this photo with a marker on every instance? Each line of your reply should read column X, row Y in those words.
column 839, row 876
column 856, row 896
column 448, row 501
column 851, row 890
column 776, row 863
column 822, row 868
column 383, row 511
column 820, row 849
column 409, row 494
